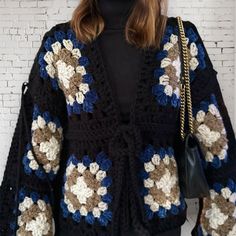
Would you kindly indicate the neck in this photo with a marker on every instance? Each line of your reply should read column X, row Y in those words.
column 115, row 12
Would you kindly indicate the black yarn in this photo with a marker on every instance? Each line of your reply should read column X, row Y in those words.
column 102, row 130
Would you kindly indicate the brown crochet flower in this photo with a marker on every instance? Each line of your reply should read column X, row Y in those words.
column 210, row 130
column 218, row 215
column 162, row 183
column 35, row 218
column 46, row 143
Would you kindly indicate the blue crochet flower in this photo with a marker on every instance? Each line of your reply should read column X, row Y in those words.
column 166, row 90
column 87, row 196
column 159, row 188
column 218, row 212
column 41, row 156
column 72, row 75
column 168, row 72
column 208, row 122
column 36, row 206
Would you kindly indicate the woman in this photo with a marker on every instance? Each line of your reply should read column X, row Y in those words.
column 93, row 151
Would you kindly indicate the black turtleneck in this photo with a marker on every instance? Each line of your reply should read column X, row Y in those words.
column 115, row 12
column 122, row 60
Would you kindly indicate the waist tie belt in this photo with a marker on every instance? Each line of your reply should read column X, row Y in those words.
column 124, row 148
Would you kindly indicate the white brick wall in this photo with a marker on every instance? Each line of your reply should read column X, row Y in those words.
column 23, row 23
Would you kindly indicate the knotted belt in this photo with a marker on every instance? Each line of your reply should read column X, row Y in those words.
column 124, row 148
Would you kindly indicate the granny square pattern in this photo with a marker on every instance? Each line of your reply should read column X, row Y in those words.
column 85, row 191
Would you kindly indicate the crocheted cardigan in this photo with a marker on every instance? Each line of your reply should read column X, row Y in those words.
column 74, row 169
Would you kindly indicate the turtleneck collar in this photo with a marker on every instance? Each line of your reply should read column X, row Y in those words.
column 115, row 12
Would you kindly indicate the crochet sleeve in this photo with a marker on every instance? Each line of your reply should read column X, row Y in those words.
column 26, row 192
column 213, row 128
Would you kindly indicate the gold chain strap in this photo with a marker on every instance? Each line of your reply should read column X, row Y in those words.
column 185, row 85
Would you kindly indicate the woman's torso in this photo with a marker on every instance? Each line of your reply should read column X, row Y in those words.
column 103, row 135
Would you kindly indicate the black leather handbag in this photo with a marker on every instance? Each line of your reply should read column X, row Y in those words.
column 192, row 179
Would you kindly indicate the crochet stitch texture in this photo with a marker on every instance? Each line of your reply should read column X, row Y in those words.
column 75, row 169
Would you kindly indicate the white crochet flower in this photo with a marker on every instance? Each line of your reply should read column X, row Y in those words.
column 51, row 148
column 19, row 221
column 81, row 168
column 56, row 47
column 162, row 189
column 214, row 111
column 52, row 126
column 166, row 160
column 96, row 212
column 209, row 156
column 154, row 206
column 63, row 64
column 27, row 203
column 215, row 216
column 165, row 62
column 84, row 183
column 223, row 153
column 41, row 205
column 39, row 226
column 177, row 65
column 65, row 72
column 200, row 116
column 149, row 166
column 148, row 183
column 226, row 193
column 100, row 175
column 193, row 49
column 93, row 167
column 49, row 57
column 70, row 99
column 168, row 46
column 84, row 88
column 213, row 194
column 167, row 204
column 81, row 190
column 168, row 90
column 173, row 38
column 33, row 165
column 34, row 125
column 102, row 191
column 164, row 80
column 209, row 136
column 81, row 70
column 41, row 122
column 166, row 182
column 68, row 44
column 194, row 63
column 102, row 206
column 80, row 97
column 69, row 168
column 51, row 70
column 156, row 159
column 30, row 155
column 38, row 222
column 76, row 53
column 148, row 199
